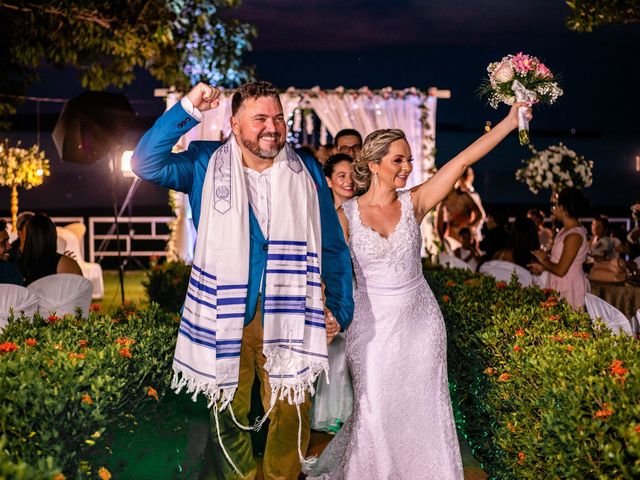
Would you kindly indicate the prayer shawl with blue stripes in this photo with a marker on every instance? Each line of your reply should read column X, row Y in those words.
column 207, row 356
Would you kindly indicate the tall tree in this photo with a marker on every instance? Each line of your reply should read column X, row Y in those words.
column 180, row 42
column 588, row 14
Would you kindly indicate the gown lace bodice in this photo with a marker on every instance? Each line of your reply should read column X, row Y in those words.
column 385, row 262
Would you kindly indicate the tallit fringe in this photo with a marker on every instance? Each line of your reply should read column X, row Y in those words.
column 194, row 385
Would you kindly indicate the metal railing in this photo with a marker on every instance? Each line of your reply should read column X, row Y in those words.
column 133, row 232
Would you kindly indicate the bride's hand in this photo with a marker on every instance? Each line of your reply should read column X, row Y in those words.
column 333, row 327
column 512, row 116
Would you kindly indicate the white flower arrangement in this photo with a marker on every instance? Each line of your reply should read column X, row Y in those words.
column 555, row 168
column 22, row 167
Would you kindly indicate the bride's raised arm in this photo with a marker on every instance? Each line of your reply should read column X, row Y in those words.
column 428, row 194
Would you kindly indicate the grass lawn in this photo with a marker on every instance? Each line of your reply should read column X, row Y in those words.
column 133, row 289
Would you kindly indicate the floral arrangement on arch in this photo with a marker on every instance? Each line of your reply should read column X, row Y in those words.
column 22, row 167
column 556, row 167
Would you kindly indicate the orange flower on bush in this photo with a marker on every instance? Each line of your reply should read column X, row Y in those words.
column 520, row 332
column 124, row 341
column 86, row 398
column 73, row 355
column 53, row 319
column 83, row 343
column 57, row 346
column 556, row 338
column 584, row 335
column 59, row 476
column 7, row 347
column 151, row 392
column 618, row 371
column 501, row 285
column 511, row 427
column 521, row 457
column 450, row 283
column 569, row 348
column 505, row 377
column 32, row 342
column 517, row 348
column 553, row 318
column 490, row 371
column 604, row 412
column 637, row 429
column 125, row 352
column 94, row 307
column 104, row 474
column 445, row 298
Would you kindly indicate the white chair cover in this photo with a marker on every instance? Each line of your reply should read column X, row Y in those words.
column 613, row 318
column 79, row 230
column 502, row 270
column 635, row 323
column 17, row 298
column 451, row 261
column 62, row 293
column 541, row 280
column 72, row 243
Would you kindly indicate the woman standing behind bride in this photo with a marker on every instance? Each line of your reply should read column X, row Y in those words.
column 402, row 424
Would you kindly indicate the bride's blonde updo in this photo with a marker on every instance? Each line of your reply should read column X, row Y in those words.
column 375, row 146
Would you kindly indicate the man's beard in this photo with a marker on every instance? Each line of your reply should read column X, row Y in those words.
column 254, row 147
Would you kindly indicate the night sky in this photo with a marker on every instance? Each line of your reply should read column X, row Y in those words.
column 406, row 43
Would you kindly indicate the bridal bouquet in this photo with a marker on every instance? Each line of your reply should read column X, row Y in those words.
column 520, row 78
column 555, row 168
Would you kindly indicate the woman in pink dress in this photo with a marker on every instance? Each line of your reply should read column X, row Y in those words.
column 569, row 251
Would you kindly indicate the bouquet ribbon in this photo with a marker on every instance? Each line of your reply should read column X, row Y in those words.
column 523, row 95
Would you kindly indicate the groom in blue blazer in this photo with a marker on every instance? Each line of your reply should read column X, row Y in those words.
column 259, row 125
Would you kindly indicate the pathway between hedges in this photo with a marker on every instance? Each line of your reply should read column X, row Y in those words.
column 169, row 444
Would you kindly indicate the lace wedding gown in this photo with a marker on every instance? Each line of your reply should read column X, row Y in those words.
column 402, row 423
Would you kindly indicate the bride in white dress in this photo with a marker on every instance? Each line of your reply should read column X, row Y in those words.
column 402, row 424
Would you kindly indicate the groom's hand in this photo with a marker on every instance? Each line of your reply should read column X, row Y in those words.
column 204, row 97
column 333, row 327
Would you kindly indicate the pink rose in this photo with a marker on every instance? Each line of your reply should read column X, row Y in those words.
column 543, row 72
column 503, row 73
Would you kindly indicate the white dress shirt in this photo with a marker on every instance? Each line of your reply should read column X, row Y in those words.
column 259, row 192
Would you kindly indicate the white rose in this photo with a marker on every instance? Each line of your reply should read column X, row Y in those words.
column 503, row 73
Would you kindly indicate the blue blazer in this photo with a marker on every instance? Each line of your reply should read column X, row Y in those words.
column 185, row 172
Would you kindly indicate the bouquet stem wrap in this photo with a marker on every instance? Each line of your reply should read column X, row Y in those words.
column 523, row 95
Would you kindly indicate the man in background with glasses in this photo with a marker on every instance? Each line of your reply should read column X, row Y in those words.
column 348, row 141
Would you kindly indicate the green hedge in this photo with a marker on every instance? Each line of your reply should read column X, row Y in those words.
column 538, row 392
column 166, row 284
column 65, row 381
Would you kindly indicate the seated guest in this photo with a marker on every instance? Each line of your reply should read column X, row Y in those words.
column 21, row 227
column 39, row 257
column 523, row 239
column 494, row 235
column 602, row 245
column 348, row 141
column 545, row 235
column 468, row 251
column 568, row 252
column 9, row 272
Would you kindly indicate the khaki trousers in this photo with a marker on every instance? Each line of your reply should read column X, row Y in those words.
column 281, row 460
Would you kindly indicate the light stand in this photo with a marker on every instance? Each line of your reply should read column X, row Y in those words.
column 112, row 165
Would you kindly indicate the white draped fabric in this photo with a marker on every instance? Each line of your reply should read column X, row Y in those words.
column 413, row 112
